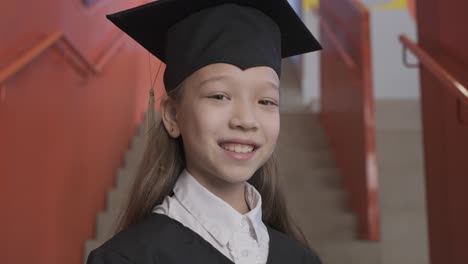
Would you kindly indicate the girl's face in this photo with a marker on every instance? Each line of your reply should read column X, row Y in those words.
column 229, row 122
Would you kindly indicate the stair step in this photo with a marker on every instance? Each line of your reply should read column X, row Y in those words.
column 125, row 179
column 301, row 131
column 141, row 130
column 116, row 200
column 322, row 178
column 300, row 143
column 106, row 225
column 397, row 148
column 318, row 199
column 322, row 228
column 296, row 120
column 389, row 113
column 305, row 159
column 134, row 156
column 405, row 237
column 349, row 252
column 90, row 245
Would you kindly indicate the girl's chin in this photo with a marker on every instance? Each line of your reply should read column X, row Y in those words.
column 234, row 174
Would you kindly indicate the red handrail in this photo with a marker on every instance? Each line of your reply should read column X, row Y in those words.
column 348, row 105
column 337, row 43
column 456, row 87
column 27, row 57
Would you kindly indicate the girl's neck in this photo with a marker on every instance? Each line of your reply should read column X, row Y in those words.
column 231, row 193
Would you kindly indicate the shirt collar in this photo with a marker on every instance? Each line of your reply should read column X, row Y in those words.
column 213, row 213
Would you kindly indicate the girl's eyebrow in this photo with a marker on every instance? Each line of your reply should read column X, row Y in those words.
column 221, row 77
column 273, row 84
column 270, row 84
column 217, row 78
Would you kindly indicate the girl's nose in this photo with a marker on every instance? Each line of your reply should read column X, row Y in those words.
column 243, row 117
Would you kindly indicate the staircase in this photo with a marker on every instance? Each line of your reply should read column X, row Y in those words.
column 313, row 182
column 314, row 193
column 404, row 235
column 106, row 220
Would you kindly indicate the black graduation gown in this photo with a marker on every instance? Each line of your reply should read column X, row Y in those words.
column 160, row 239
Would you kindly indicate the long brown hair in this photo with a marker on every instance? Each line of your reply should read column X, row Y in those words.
column 164, row 160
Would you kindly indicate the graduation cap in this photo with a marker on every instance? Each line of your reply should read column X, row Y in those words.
column 190, row 34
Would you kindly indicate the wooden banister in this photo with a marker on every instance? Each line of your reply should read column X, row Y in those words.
column 456, row 87
column 337, row 43
column 90, row 67
column 109, row 53
column 27, row 57
column 347, row 106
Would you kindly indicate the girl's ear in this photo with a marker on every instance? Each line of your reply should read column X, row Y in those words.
column 169, row 117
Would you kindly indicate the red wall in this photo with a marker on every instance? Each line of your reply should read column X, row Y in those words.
column 62, row 137
column 412, row 8
column 443, row 36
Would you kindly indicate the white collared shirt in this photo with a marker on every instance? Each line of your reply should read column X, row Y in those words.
column 241, row 238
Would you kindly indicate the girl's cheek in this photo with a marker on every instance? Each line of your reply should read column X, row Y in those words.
column 275, row 127
column 270, row 130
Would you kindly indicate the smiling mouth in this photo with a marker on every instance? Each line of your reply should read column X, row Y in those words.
column 238, row 148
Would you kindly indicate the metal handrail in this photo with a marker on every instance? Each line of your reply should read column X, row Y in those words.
column 337, row 43
column 456, row 87
column 27, row 57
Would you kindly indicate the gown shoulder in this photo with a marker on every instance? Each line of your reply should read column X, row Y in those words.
column 159, row 239
column 156, row 239
column 283, row 249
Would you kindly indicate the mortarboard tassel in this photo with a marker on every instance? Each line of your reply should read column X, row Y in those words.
column 150, row 119
column 150, row 116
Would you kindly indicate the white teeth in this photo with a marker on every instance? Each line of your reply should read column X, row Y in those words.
column 238, row 148
column 246, row 149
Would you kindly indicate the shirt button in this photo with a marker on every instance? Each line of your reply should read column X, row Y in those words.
column 244, row 222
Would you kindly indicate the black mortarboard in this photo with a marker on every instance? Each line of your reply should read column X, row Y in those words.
column 190, row 34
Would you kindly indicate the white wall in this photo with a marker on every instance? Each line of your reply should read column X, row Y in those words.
column 310, row 84
column 391, row 79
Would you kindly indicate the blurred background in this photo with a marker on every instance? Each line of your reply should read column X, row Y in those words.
column 373, row 145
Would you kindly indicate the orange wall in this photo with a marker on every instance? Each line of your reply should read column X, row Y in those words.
column 62, row 137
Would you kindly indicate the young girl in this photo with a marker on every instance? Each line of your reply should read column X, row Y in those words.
column 207, row 190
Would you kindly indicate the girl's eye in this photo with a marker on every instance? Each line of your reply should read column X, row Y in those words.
column 267, row 102
column 218, row 96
